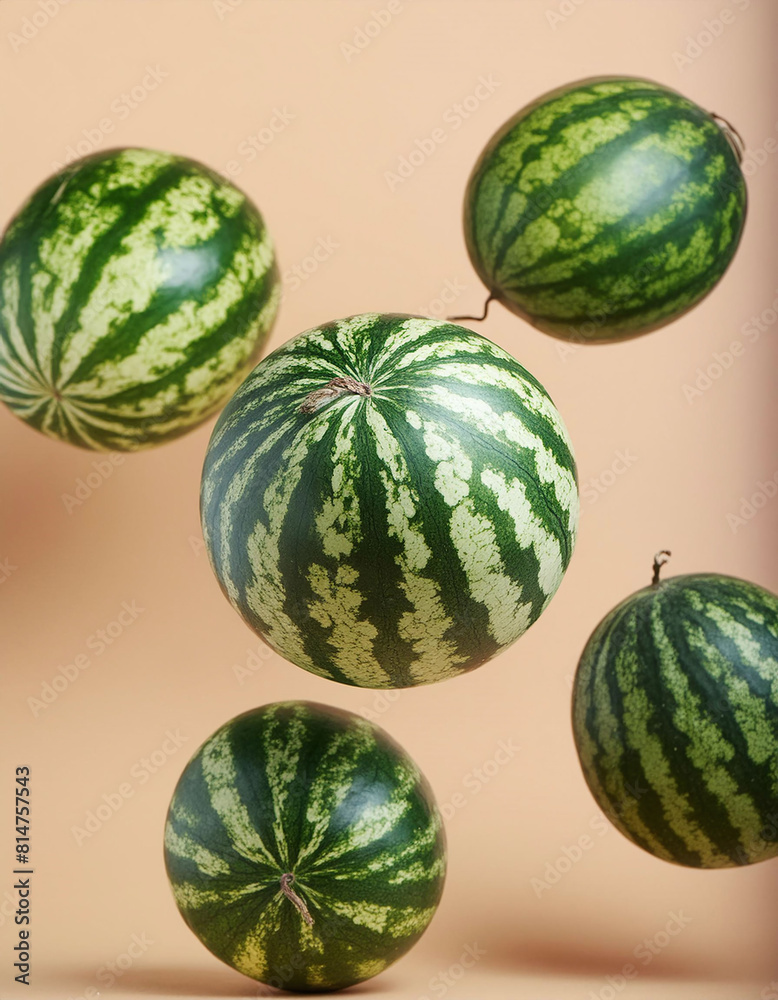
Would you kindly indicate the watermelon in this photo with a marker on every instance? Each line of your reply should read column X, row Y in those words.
column 675, row 716
column 136, row 291
column 304, row 847
column 605, row 209
column 389, row 500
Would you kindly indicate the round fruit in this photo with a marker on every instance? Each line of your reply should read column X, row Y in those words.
column 389, row 501
column 605, row 209
column 675, row 716
column 304, row 847
column 136, row 290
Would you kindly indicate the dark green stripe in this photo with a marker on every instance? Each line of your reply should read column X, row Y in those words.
column 628, row 629
column 128, row 332
column 588, row 168
column 378, row 766
column 135, row 203
column 561, row 121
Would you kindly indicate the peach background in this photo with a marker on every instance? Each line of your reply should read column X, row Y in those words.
column 136, row 538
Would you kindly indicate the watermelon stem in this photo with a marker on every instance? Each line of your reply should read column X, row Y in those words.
column 286, row 882
column 335, row 387
column 734, row 138
column 476, row 319
column 659, row 560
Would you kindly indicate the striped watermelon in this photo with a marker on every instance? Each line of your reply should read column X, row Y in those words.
column 304, row 847
column 389, row 501
column 605, row 209
column 675, row 715
column 136, row 290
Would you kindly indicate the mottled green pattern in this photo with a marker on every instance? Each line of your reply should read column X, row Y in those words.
column 675, row 714
column 605, row 209
column 136, row 290
column 395, row 539
column 299, row 788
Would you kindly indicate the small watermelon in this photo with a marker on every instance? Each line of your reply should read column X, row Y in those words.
column 605, row 209
column 136, row 291
column 675, row 717
column 389, row 501
column 304, row 847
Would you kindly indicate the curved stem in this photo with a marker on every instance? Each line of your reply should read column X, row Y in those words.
column 288, row 891
column 734, row 138
column 659, row 560
column 335, row 387
column 475, row 319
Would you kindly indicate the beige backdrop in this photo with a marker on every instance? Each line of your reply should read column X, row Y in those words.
column 333, row 110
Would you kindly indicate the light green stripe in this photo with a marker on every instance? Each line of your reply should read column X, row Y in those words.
column 218, row 766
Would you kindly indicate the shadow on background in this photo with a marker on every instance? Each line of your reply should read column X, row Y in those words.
column 575, row 958
column 183, row 981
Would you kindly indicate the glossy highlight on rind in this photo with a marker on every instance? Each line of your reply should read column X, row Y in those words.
column 137, row 288
column 605, row 209
column 304, row 790
column 675, row 717
column 396, row 538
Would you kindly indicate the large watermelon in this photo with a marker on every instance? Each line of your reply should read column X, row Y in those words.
column 136, row 290
column 389, row 501
column 304, row 847
column 605, row 209
column 675, row 715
